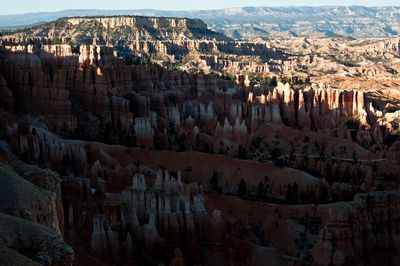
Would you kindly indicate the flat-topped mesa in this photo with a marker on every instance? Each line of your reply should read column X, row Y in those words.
column 156, row 22
column 140, row 21
column 110, row 30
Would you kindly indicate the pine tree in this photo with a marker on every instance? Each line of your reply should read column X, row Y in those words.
column 242, row 189
column 214, row 181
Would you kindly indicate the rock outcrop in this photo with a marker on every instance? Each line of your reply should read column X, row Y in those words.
column 31, row 218
column 41, row 243
column 357, row 232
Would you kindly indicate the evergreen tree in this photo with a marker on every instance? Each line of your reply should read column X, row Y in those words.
column 242, row 189
column 242, row 153
column 214, row 181
column 323, row 195
column 292, row 193
column 288, row 196
column 295, row 193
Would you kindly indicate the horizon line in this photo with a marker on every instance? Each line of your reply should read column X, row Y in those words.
column 194, row 10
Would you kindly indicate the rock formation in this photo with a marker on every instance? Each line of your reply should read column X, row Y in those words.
column 349, row 237
column 144, row 140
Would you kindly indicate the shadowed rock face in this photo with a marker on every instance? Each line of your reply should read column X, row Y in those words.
column 26, row 201
column 31, row 218
column 132, row 163
column 10, row 257
column 349, row 238
column 43, row 244
column 143, row 222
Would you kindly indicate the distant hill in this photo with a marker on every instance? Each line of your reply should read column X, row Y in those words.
column 253, row 22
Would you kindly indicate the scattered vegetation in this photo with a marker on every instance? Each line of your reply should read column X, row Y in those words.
column 391, row 138
column 353, row 124
column 56, row 40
